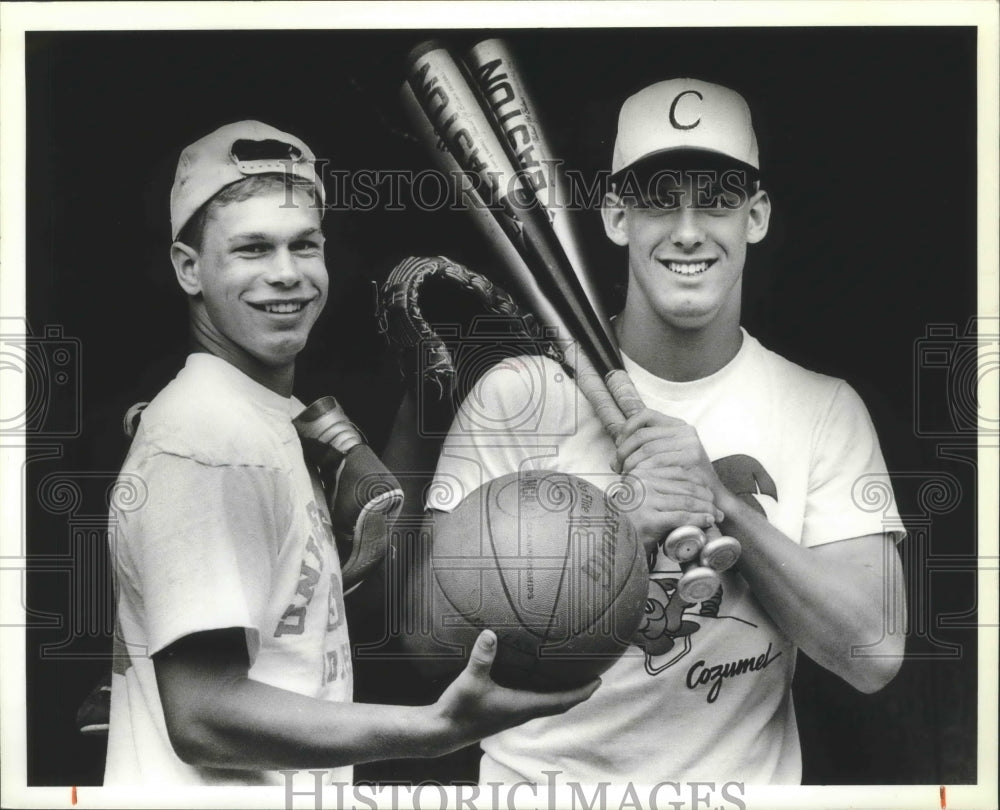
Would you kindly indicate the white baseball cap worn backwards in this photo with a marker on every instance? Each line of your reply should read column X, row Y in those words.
column 229, row 154
column 684, row 114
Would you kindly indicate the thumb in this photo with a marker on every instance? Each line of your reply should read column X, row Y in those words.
column 483, row 653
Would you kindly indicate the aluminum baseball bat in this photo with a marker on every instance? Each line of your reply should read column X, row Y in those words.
column 517, row 122
column 443, row 90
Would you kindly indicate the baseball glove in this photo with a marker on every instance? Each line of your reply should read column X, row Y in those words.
column 429, row 306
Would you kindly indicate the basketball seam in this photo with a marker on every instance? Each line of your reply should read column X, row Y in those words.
column 455, row 607
column 524, row 621
column 624, row 581
column 510, row 600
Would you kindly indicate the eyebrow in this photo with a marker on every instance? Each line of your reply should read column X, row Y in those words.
column 255, row 236
column 247, row 237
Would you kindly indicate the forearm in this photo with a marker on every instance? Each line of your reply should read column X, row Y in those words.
column 250, row 725
column 831, row 601
column 216, row 716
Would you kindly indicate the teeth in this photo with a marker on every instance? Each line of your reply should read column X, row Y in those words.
column 687, row 268
column 282, row 309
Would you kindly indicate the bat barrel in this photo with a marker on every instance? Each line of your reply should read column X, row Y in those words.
column 555, row 275
column 505, row 96
column 444, row 92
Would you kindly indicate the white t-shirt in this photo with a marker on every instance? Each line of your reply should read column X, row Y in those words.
column 704, row 691
column 217, row 523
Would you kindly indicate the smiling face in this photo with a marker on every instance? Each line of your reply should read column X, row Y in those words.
column 258, row 282
column 686, row 250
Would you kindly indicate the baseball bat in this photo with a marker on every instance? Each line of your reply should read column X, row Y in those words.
column 523, row 282
column 466, row 194
column 517, row 122
column 444, row 93
column 469, row 127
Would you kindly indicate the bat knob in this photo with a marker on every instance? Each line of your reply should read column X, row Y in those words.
column 721, row 553
column 698, row 584
column 684, row 543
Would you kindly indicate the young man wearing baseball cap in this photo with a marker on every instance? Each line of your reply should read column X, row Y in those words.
column 232, row 653
column 733, row 435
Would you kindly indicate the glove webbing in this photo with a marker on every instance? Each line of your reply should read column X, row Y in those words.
column 402, row 321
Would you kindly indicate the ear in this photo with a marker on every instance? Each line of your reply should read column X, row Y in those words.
column 185, row 261
column 759, row 215
column 613, row 213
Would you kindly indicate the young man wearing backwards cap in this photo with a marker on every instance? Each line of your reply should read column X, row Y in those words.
column 732, row 435
column 232, row 652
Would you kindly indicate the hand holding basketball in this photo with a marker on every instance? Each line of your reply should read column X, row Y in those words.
column 474, row 706
column 551, row 565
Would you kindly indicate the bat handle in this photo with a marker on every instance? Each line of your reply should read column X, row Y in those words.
column 629, row 402
column 593, row 385
column 624, row 392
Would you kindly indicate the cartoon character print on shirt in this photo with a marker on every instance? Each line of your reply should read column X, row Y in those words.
column 665, row 634
column 312, row 569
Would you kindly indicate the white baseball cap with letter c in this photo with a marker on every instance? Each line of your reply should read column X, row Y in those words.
column 684, row 114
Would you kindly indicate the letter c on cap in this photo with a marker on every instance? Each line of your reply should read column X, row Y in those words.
column 673, row 110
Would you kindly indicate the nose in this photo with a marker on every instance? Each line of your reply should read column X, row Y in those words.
column 687, row 231
column 282, row 269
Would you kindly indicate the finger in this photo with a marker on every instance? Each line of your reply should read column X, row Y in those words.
column 649, row 458
column 483, row 653
column 646, row 435
column 647, row 417
column 681, row 502
column 661, row 477
column 688, row 449
column 671, row 479
column 638, row 451
column 708, row 513
column 665, row 515
column 675, row 519
column 666, row 494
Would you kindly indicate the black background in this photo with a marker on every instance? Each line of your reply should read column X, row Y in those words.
column 868, row 141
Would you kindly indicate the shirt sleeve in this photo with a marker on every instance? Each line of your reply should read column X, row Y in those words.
column 850, row 494
column 206, row 547
column 514, row 416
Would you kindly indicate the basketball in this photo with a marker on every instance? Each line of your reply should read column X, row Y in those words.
column 548, row 563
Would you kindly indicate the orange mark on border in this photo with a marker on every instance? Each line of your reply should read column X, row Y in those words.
column 944, row 801
column 72, row 795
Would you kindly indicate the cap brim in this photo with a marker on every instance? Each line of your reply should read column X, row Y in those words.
column 683, row 159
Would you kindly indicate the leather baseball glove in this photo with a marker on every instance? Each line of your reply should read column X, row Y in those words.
column 431, row 307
